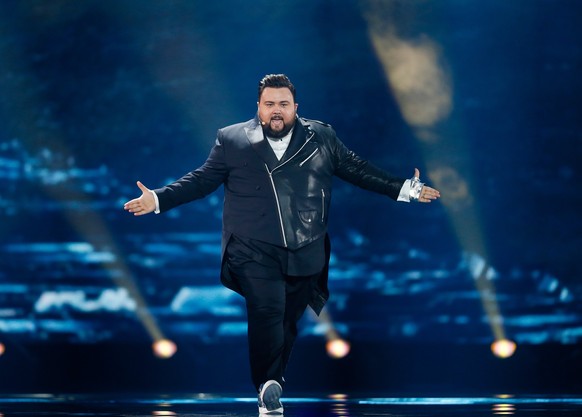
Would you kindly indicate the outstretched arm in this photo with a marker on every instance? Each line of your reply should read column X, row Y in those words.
column 144, row 204
column 427, row 194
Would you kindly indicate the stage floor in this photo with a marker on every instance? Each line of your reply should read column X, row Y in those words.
column 339, row 405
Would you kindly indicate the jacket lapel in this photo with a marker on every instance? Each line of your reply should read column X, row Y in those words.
column 260, row 145
column 297, row 141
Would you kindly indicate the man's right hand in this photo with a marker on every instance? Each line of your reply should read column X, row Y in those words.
column 145, row 204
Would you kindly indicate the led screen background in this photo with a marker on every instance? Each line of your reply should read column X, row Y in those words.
column 484, row 98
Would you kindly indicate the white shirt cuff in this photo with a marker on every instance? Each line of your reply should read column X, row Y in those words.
column 157, row 210
column 405, row 192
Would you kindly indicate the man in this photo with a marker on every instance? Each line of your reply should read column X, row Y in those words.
column 277, row 172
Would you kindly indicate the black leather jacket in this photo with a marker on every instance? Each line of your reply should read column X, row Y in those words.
column 283, row 202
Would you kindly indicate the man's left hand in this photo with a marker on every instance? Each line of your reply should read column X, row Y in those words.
column 427, row 194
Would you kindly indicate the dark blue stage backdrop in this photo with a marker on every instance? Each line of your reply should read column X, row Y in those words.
column 483, row 97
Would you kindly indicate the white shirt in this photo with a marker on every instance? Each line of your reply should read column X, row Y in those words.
column 280, row 145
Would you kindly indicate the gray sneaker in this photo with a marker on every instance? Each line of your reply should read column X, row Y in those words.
column 269, row 399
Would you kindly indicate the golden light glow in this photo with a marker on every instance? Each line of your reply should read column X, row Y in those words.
column 419, row 84
column 414, row 70
column 503, row 348
column 164, row 348
column 2, row 349
column 340, row 410
column 503, row 409
column 337, row 348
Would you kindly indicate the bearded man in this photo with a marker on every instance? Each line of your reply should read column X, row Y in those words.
column 277, row 171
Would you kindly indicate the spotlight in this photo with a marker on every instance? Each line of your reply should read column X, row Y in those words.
column 337, row 348
column 2, row 349
column 164, row 348
column 503, row 348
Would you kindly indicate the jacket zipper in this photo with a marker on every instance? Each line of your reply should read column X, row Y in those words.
column 309, row 157
column 294, row 155
column 275, row 188
column 278, row 206
column 322, row 205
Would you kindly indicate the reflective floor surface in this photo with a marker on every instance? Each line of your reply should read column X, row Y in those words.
column 340, row 405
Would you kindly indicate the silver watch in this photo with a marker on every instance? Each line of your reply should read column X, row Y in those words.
column 415, row 188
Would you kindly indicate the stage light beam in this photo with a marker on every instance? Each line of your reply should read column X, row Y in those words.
column 418, row 77
column 335, row 346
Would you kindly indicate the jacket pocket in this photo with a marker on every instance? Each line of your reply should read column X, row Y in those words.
column 308, row 216
column 308, row 210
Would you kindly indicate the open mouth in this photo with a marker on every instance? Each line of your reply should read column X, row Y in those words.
column 277, row 123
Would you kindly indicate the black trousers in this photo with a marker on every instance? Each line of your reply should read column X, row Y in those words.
column 275, row 302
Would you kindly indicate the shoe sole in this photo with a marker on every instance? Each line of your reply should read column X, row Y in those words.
column 263, row 411
column 277, row 412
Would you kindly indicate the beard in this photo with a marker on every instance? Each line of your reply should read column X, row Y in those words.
column 277, row 134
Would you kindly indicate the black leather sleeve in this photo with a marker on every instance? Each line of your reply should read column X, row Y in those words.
column 362, row 173
column 198, row 183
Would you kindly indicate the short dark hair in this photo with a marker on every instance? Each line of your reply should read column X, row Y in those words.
column 276, row 81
